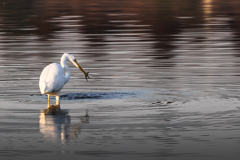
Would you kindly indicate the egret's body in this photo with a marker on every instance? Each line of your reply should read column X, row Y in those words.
column 55, row 76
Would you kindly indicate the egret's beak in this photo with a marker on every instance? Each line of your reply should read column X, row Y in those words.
column 86, row 74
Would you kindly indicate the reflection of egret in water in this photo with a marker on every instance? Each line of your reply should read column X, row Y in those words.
column 58, row 128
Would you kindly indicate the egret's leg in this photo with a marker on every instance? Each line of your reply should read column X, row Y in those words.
column 57, row 100
column 48, row 101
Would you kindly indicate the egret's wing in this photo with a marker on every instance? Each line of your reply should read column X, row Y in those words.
column 51, row 79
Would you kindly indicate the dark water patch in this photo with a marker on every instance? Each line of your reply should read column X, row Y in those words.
column 101, row 153
column 16, row 111
column 16, row 153
column 96, row 95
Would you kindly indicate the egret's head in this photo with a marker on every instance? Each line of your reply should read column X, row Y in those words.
column 72, row 59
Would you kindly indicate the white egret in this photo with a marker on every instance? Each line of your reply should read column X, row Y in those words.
column 55, row 76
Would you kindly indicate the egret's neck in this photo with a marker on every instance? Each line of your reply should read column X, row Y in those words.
column 66, row 68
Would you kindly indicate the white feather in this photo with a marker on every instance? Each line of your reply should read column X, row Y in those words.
column 52, row 78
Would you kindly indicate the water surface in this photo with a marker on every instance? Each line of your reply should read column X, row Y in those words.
column 164, row 79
